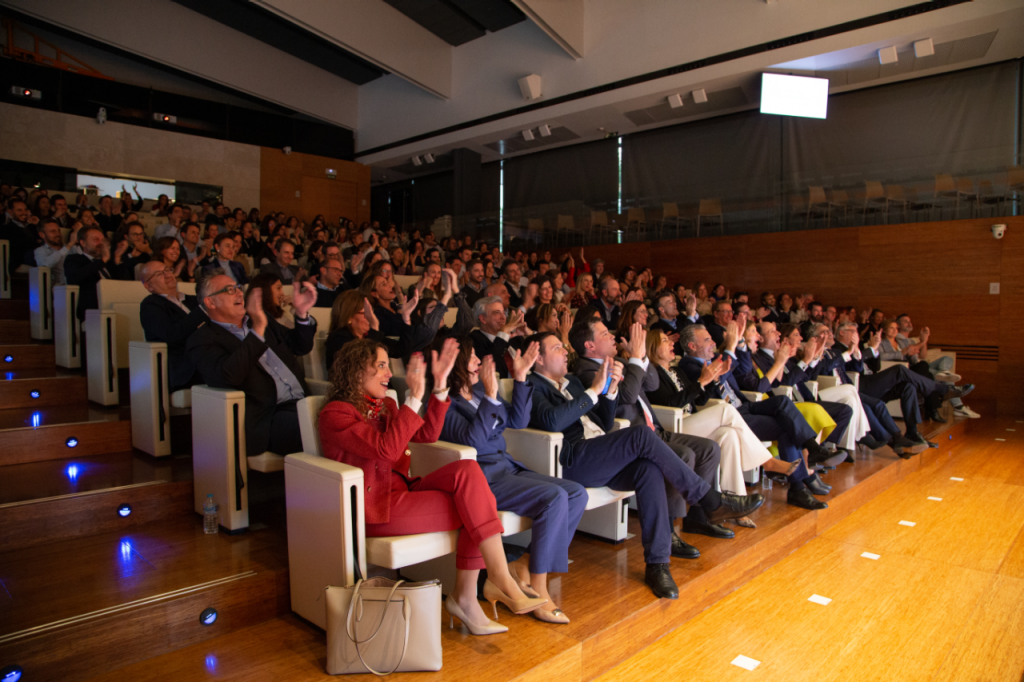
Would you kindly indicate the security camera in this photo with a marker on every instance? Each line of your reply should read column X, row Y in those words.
column 287, row 150
column 998, row 231
column 101, row 115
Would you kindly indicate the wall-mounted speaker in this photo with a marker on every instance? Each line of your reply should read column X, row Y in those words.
column 530, row 86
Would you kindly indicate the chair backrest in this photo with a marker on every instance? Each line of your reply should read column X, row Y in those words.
column 111, row 291
column 397, row 367
column 450, row 316
column 895, row 192
column 309, row 410
column 840, row 196
column 505, row 389
column 965, row 185
column 313, row 361
column 129, row 328
column 710, row 207
column 406, row 281
column 636, row 215
column 669, row 210
column 598, row 218
column 985, row 187
column 944, row 183
column 566, row 222
column 1015, row 177
column 873, row 190
column 322, row 317
column 535, row 224
column 816, row 195
column 187, row 288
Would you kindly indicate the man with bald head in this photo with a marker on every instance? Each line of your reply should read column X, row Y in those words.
column 170, row 317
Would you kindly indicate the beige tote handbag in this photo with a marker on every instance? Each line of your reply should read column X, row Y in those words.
column 382, row 626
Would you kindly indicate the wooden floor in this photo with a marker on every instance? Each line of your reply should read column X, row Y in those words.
column 944, row 600
column 900, row 617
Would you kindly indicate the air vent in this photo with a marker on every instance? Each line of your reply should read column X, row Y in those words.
column 516, row 143
column 953, row 52
column 717, row 101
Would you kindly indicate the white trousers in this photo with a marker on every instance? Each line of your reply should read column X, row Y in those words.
column 847, row 395
column 741, row 449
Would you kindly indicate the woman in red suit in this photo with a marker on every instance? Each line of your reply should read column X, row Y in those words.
column 360, row 426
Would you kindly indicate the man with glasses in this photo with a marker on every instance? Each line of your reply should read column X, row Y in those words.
column 330, row 283
column 170, row 317
column 721, row 313
column 137, row 253
column 242, row 348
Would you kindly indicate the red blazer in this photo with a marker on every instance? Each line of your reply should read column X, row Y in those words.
column 347, row 436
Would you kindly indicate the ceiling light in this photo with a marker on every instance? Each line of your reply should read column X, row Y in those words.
column 429, row 158
column 675, row 101
column 887, row 55
column 924, row 48
column 528, row 135
column 700, row 96
column 544, row 130
column 416, row 161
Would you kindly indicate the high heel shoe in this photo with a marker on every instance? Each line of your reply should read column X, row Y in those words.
column 455, row 610
column 518, row 606
column 523, row 583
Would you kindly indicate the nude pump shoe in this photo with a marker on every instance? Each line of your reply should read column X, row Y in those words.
column 455, row 610
column 518, row 606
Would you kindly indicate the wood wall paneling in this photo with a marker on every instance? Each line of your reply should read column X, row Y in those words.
column 938, row 273
column 283, row 175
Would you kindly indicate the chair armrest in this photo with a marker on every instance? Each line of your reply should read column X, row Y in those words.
column 620, row 424
column 710, row 403
column 812, row 386
column 427, row 458
column 855, row 378
column 778, row 390
column 886, row 364
column 318, row 386
column 671, row 418
column 150, row 400
column 755, row 397
column 536, row 450
column 826, row 381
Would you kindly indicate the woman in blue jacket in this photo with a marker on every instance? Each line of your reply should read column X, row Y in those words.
column 478, row 418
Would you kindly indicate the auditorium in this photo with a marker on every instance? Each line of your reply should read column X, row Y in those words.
column 291, row 290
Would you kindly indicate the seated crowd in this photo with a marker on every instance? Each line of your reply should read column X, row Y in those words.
column 580, row 346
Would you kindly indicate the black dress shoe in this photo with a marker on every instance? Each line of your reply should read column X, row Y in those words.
column 934, row 416
column 712, row 531
column 849, row 458
column 735, row 506
column 804, row 499
column 683, row 550
column 817, row 479
column 817, row 454
column 815, row 487
column 905, row 447
column 659, row 579
column 870, row 443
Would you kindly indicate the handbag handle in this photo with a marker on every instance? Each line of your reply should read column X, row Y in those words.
column 350, row 625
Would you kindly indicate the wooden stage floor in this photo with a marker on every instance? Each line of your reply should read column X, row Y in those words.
column 942, row 602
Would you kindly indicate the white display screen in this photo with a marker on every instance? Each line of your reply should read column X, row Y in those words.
column 794, row 95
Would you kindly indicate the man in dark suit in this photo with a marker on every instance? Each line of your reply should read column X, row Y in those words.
column 607, row 302
column 170, row 318
column 669, row 319
column 768, row 312
column 475, row 288
column 594, row 344
column 815, row 315
column 241, row 348
column 281, row 267
column 89, row 267
column 510, row 276
column 331, row 282
column 775, row 419
column 721, row 316
column 494, row 333
column 633, row 458
column 224, row 251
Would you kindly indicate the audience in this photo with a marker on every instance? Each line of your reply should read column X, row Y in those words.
column 53, row 251
column 170, row 317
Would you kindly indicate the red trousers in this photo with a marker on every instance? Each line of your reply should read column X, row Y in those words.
column 455, row 496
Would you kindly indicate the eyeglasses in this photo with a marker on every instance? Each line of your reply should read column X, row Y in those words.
column 229, row 290
column 163, row 273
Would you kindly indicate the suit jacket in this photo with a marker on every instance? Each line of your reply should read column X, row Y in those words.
column 496, row 349
column 325, row 297
column 166, row 322
column 237, row 269
column 85, row 272
column 667, row 394
column 225, row 362
column 633, row 387
column 515, row 299
column 553, row 412
column 831, row 363
column 378, row 447
column 692, row 367
column 274, row 269
column 745, row 371
column 484, row 428
column 610, row 316
column 716, row 331
column 794, row 375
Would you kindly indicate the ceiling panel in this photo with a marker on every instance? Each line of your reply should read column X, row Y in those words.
column 459, row 21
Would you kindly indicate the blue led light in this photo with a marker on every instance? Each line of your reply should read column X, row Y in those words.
column 37, row 419
column 211, row 663
column 10, row 376
column 72, row 472
column 11, row 673
column 126, row 551
column 34, row 394
column 124, row 510
column 71, row 442
column 208, row 616
column 8, row 358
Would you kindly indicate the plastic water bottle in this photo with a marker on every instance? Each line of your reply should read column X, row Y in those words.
column 210, row 525
column 766, row 480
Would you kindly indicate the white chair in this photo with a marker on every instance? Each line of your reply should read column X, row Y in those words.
column 606, row 514
column 893, row 406
column 40, row 303
column 406, row 281
column 152, row 403
column 5, row 273
column 66, row 332
column 101, row 356
column 326, row 522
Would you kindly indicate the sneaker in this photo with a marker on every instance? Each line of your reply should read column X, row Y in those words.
column 948, row 377
column 964, row 411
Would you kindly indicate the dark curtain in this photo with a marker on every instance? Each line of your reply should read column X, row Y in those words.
column 490, row 187
column 586, row 173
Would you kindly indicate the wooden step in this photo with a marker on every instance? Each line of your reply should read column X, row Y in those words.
column 14, row 309
column 60, row 414
column 44, row 392
column 146, row 589
column 15, row 331
column 17, row 358
column 37, row 444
